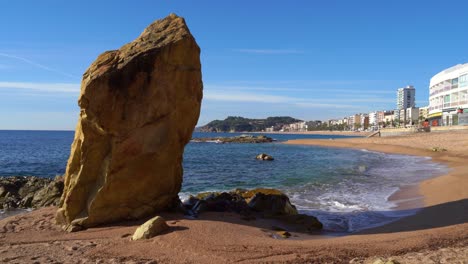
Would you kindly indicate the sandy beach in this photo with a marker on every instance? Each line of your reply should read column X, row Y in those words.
column 436, row 234
column 321, row 132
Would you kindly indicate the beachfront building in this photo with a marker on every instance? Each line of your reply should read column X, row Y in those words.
column 376, row 119
column 448, row 97
column 408, row 116
column 333, row 122
column 389, row 118
column 345, row 122
column 405, row 99
column 423, row 113
column 373, row 124
column 411, row 115
column 364, row 121
column 380, row 118
column 356, row 122
column 351, row 122
column 296, row 127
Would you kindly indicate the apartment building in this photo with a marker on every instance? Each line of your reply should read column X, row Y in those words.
column 448, row 96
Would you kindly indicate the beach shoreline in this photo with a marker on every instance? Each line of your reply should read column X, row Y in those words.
column 438, row 232
column 454, row 158
column 318, row 132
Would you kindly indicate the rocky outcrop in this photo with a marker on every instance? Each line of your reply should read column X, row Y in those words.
column 272, row 204
column 264, row 156
column 250, row 204
column 139, row 106
column 236, row 139
column 151, row 228
column 29, row 192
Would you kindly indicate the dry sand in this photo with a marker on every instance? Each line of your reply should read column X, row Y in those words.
column 437, row 234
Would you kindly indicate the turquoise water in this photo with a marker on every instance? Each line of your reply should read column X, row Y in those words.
column 347, row 189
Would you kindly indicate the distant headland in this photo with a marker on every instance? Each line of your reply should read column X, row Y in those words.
column 242, row 124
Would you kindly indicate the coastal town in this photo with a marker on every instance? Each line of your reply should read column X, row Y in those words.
column 448, row 106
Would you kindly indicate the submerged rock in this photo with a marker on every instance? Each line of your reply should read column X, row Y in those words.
column 139, row 106
column 151, row 228
column 264, row 156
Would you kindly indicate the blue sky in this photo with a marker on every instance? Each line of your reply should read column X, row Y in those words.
column 307, row 59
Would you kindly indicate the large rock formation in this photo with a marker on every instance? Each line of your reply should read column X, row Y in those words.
column 139, row 106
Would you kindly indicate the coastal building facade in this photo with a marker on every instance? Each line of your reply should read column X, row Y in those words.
column 412, row 115
column 373, row 123
column 296, row 127
column 423, row 113
column 448, row 96
column 389, row 118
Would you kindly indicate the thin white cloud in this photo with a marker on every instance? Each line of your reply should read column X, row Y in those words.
column 269, row 51
column 38, row 65
column 341, row 91
column 245, row 97
column 252, row 97
column 43, row 87
column 324, row 105
column 361, row 99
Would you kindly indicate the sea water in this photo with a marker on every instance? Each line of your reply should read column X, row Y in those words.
column 346, row 189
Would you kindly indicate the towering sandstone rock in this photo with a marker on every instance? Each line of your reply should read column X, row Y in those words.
column 139, row 106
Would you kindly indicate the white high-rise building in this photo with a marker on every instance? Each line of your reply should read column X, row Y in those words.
column 405, row 99
column 448, row 96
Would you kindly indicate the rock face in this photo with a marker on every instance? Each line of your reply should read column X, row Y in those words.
column 273, row 204
column 29, row 192
column 139, row 106
column 151, row 228
column 250, row 204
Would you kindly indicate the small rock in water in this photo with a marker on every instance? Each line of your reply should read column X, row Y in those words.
column 362, row 168
column 151, row 228
column 264, row 156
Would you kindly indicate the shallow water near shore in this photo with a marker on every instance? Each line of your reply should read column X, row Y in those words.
column 346, row 189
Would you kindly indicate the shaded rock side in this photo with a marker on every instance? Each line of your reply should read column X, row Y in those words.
column 138, row 108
